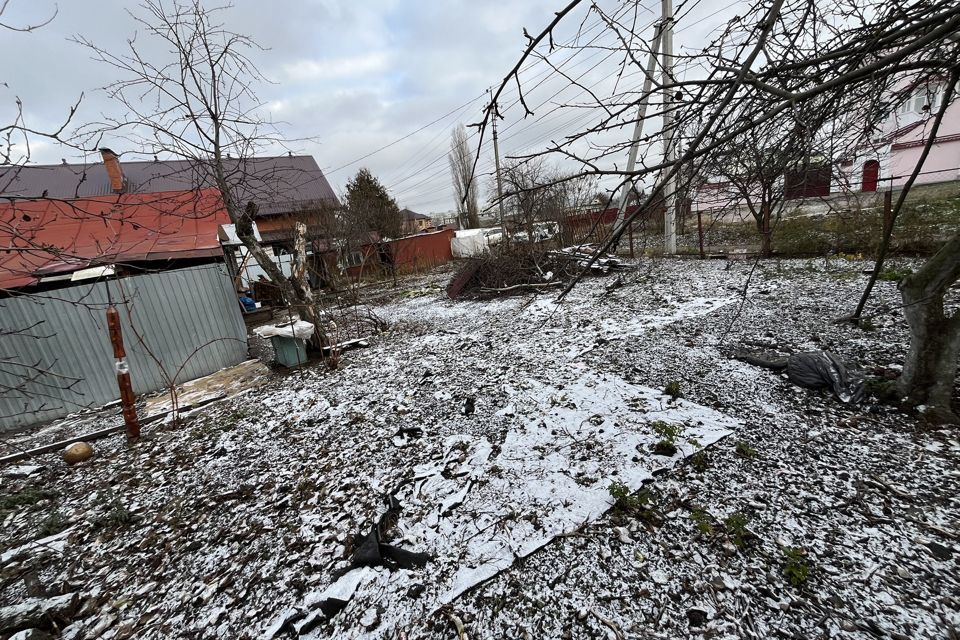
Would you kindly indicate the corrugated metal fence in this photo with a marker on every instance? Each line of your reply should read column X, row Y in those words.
column 55, row 353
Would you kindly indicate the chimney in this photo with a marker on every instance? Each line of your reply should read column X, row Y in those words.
column 112, row 164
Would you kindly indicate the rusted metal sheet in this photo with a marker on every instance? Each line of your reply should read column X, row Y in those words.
column 58, row 236
column 457, row 284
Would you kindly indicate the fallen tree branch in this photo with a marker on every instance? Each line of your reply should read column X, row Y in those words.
column 610, row 624
column 520, row 286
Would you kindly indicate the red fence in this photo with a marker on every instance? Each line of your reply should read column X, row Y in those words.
column 422, row 251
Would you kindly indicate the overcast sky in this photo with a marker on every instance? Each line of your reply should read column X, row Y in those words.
column 353, row 74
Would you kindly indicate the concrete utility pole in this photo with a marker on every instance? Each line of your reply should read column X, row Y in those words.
column 496, row 159
column 638, row 127
column 669, row 150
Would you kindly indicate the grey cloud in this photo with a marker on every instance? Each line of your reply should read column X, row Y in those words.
column 349, row 76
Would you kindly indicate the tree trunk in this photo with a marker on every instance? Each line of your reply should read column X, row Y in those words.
column 930, row 369
column 766, row 244
column 244, row 226
column 763, row 226
column 301, row 286
column 473, row 217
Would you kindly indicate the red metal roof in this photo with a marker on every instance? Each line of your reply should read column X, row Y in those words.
column 44, row 237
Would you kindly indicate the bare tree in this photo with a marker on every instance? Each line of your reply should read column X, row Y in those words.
column 199, row 104
column 526, row 191
column 539, row 192
column 810, row 64
column 27, row 380
column 752, row 172
column 461, row 171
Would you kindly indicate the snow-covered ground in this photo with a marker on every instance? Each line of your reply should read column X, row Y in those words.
column 488, row 436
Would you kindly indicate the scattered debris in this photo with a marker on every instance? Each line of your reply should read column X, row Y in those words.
column 526, row 268
column 22, row 471
column 38, row 613
column 242, row 518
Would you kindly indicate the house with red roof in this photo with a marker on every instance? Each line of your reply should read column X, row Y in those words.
column 44, row 241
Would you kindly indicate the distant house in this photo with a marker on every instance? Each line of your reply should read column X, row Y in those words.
column 883, row 161
column 413, row 222
column 890, row 157
column 285, row 190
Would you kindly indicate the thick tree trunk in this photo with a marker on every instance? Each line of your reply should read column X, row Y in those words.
column 244, row 226
column 930, row 370
column 295, row 290
column 301, row 287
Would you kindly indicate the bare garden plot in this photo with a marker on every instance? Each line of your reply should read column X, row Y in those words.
column 504, row 430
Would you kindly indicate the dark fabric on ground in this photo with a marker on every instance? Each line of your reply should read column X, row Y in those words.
column 814, row 370
column 823, row 370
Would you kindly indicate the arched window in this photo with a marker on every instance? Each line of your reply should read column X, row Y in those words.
column 871, row 175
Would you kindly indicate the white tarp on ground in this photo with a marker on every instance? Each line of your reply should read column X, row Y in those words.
column 468, row 243
column 483, row 506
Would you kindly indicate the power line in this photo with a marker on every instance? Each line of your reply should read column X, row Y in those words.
column 552, row 70
column 401, row 139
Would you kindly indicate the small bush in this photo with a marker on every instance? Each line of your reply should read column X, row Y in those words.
column 703, row 521
column 28, row 497
column 700, row 461
column 116, row 514
column 667, row 431
column 735, row 525
column 53, row 524
column 894, row 274
column 668, row 434
column 623, row 499
column 627, row 503
column 796, row 568
column 673, row 390
column 744, row 450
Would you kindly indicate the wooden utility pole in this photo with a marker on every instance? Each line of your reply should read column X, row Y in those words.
column 669, row 150
column 496, row 159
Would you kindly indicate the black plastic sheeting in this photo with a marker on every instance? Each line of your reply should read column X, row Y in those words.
column 371, row 551
column 823, row 370
column 816, row 370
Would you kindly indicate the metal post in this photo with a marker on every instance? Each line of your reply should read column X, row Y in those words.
column 700, row 233
column 887, row 209
column 127, row 398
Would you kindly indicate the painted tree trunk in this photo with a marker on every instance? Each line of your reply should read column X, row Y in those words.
column 301, row 287
column 295, row 290
column 930, row 369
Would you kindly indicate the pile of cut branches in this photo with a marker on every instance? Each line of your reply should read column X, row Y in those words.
column 523, row 269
